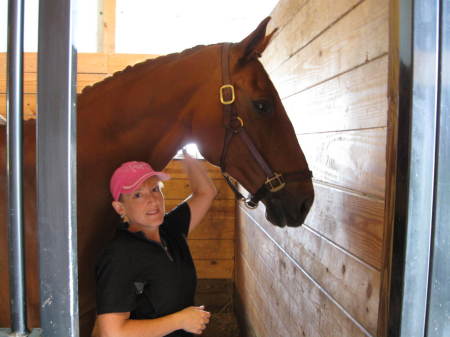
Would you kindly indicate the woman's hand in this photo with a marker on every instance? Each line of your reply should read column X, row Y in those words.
column 194, row 319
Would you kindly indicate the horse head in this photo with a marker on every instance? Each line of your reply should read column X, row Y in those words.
column 250, row 136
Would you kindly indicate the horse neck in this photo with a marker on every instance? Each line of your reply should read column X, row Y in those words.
column 146, row 111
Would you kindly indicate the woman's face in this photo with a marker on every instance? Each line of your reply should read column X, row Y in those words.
column 144, row 207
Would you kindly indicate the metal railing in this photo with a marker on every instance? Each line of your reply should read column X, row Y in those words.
column 56, row 171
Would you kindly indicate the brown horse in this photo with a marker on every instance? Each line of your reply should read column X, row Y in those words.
column 147, row 112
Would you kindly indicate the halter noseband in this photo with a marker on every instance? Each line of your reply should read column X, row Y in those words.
column 234, row 125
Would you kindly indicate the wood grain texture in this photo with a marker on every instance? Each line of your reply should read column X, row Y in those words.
column 30, row 82
column 180, row 189
column 284, row 12
column 29, row 105
column 351, row 221
column 214, row 268
column 211, row 249
column 107, row 29
column 29, row 63
column 354, row 100
column 118, row 62
column 87, row 63
column 212, row 242
column 176, row 170
column 294, row 305
column 304, row 23
column 354, row 160
column 394, row 93
column 353, row 284
column 91, row 68
column 254, row 307
column 360, row 36
column 218, row 223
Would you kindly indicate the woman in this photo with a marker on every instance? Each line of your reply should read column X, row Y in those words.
column 146, row 277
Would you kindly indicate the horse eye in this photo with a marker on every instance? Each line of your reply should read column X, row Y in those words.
column 262, row 107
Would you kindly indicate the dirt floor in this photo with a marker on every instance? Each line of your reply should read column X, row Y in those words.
column 217, row 297
column 222, row 325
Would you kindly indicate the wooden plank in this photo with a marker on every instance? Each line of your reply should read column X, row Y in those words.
column 354, row 100
column 311, row 20
column 252, row 297
column 86, row 63
column 352, row 222
column 179, row 188
column 29, row 63
column 284, row 11
column 3, row 58
column 294, row 299
column 211, row 249
column 176, row 170
column 215, row 294
column 92, row 63
column 389, row 301
column 351, row 283
column 277, row 310
column 30, row 82
column 107, row 29
column 218, row 223
column 214, row 268
column 354, row 159
column 117, row 62
column 359, row 37
column 84, row 80
column 29, row 105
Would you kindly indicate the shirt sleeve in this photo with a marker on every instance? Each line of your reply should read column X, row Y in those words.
column 115, row 289
column 178, row 220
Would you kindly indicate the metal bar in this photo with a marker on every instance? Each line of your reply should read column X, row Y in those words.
column 438, row 318
column 56, row 169
column 421, row 183
column 15, row 167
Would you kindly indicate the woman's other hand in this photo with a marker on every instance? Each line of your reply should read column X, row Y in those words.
column 194, row 319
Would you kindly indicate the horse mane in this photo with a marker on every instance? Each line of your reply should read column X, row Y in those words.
column 148, row 64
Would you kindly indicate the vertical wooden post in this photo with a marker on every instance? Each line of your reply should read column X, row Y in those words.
column 107, row 27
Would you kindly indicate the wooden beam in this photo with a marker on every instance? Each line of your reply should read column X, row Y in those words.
column 107, row 27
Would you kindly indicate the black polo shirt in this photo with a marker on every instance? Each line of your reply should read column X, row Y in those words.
column 145, row 278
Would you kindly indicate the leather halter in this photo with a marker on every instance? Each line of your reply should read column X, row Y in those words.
column 234, row 125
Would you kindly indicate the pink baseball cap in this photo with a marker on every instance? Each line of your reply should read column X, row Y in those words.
column 130, row 175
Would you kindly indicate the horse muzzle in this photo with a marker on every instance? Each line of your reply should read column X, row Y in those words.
column 284, row 209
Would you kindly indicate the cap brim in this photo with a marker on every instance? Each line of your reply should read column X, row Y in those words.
column 137, row 183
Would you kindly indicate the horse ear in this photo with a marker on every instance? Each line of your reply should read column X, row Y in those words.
column 253, row 45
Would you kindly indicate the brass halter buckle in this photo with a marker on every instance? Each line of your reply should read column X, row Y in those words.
column 222, row 89
column 275, row 183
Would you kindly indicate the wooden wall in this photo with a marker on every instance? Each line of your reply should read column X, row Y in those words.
column 92, row 67
column 212, row 243
column 331, row 62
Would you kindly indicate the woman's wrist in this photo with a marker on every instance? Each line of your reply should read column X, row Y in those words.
column 177, row 320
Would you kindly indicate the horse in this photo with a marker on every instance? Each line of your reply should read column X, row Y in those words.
column 218, row 96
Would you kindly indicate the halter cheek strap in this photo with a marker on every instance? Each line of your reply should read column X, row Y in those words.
column 234, row 126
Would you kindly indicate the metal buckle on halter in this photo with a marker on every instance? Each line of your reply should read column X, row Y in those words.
column 236, row 123
column 249, row 203
column 222, row 96
column 275, row 183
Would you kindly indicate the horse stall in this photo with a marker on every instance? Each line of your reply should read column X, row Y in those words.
column 212, row 242
column 334, row 66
